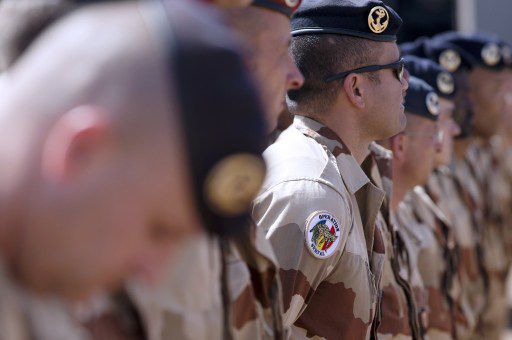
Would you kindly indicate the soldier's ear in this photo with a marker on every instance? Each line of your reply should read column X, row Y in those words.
column 398, row 145
column 73, row 143
column 355, row 90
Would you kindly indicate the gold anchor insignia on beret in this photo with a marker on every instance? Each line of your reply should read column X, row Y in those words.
column 445, row 83
column 432, row 102
column 233, row 183
column 291, row 3
column 450, row 60
column 491, row 54
column 378, row 19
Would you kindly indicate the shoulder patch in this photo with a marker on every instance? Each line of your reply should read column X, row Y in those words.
column 322, row 234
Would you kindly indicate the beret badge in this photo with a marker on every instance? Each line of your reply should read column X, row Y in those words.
column 491, row 54
column 445, row 83
column 506, row 52
column 291, row 3
column 378, row 19
column 233, row 183
column 432, row 102
column 450, row 60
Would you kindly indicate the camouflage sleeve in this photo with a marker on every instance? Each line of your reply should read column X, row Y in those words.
column 307, row 223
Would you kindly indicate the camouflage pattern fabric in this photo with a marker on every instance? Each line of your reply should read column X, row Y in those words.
column 398, row 315
column 439, row 267
column 495, row 191
column 415, row 237
column 189, row 303
column 329, row 292
column 456, row 203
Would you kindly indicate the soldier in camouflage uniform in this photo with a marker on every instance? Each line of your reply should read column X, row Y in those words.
column 422, row 107
column 397, row 315
column 502, row 144
column 450, row 316
column 318, row 206
column 232, row 288
column 63, row 231
column 487, row 81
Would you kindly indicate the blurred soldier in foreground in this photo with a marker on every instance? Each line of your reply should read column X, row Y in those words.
column 318, row 207
column 232, row 285
column 21, row 21
column 413, row 160
column 91, row 161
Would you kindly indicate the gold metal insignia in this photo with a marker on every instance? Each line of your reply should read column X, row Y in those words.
column 291, row 3
column 491, row 54
column 432, row 102
column 233, row 183
column 445, row 83
column 450, row 60
column 506, row 53
column 378, row 19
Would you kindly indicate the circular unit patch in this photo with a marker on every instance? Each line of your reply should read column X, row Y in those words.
column 322, row 234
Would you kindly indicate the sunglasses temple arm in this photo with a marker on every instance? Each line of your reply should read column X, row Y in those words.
column 335, row 77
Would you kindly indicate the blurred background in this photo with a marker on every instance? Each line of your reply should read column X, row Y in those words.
column 428, row 17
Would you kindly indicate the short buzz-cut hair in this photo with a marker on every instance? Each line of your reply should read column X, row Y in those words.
column 22, row 21
column 323, row 55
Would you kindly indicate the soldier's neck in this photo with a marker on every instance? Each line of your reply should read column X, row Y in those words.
column 460, row 147
column 401, row 186
column 7, row 229
column 13, row 210
column 349, row 130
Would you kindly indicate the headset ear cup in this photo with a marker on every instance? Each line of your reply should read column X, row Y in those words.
column 221, row 115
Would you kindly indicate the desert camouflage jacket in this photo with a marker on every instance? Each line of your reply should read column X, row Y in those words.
column 318, row 208
column 488, row 170
column 215, row 290
column 453, row 199
column 415, row 237
column 438, row 264
column 397, row 314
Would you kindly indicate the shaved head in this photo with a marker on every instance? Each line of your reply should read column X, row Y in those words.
column 267, row 55
column 92, row 154
column 21, row 21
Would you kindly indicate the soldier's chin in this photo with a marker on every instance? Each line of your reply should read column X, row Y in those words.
column 400, row 124
column 78, row 294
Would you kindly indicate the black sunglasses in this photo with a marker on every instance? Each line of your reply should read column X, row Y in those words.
column 397, row 66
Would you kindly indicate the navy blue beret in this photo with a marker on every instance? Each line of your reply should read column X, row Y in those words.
column 454, row 50
column 437, row 49
column 433, row 74
column 422, row 100
column 369, row 19
column 224, row 160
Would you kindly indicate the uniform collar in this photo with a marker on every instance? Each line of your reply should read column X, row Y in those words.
column 351, row 173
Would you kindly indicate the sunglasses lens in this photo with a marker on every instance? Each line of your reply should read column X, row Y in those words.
column 400, row 72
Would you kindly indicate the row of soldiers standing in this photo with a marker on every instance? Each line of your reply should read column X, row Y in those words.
column 385, row 206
